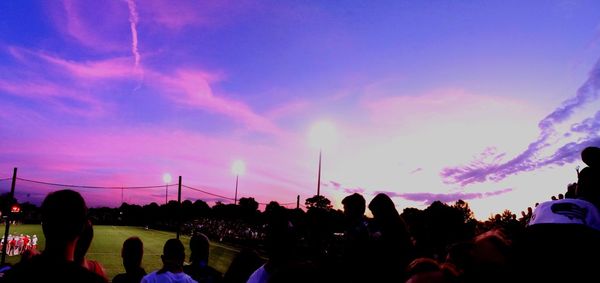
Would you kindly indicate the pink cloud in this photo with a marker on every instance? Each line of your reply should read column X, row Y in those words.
column 133, row 157
column 194, row 13
column 428, row 198
column 101, row 69
column 111, row 68
column 89, row 25
column 193, row 88
column 59, row 96
column 288, row 109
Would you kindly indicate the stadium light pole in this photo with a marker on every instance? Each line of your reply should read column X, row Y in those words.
column 167, row 179
column 322, row 135
column 238, row 168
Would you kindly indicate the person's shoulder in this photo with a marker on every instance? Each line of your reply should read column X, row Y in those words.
column 259, row 275
column 119, row 278
column 41, row 268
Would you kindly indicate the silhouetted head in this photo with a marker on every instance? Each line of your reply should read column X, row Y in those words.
column 492, row 247
column 460, row 254
column 132, row 253
column 354, row 205
column 84, row 242
column 173, row 255
column 382, row 206
column 425, row 270
column 63, row 216
column 588, row 185
column 243, row 265
column 199, row 245
column 591, row 156
column 280, row 242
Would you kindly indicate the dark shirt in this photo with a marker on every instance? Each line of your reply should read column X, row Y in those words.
column 42, row 268
column 130, row 277
column 203, row 273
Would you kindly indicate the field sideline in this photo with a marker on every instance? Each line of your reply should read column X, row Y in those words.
column 108, row 240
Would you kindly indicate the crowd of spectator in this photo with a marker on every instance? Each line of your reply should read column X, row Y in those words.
column 224, row 230
column 560, row 243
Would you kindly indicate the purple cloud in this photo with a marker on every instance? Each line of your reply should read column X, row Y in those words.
column 354, row 190
column 481, row 170
column 428, row 198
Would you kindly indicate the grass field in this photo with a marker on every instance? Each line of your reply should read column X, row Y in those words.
column 106, row 247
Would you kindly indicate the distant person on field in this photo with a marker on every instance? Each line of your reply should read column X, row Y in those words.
column 132, row 253
column 83, row 244
column 63, row 219
column 199, row 269
column 172, row 270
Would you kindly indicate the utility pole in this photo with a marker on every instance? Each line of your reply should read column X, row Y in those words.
column 179, row 208
column 8, row 215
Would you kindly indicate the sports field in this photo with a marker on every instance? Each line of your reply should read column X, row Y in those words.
column 106, row 247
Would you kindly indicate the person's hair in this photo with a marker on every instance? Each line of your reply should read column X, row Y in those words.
column 84, row 242
column 422, row 265
column 382, row 204
column 174, row 250
column 63, row 216
column 355, row 204
column 199, row 245
column 132, row 252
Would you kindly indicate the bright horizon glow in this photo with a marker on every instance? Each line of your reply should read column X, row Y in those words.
column 238, row 168
column 323, row 135
column 167, row 178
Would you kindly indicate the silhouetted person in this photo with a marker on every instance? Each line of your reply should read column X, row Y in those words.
column 391, row 246
column 199, row 269
column 356, row 239
column 280, row 245
column 172, row 270
column 492, row 259
column 132, row 253
column 63, row 219
column 242, row 266
column 460, row 255
column 562, row 241
column 81, row 248
column 426, row 270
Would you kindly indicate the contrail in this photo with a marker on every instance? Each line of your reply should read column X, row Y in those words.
column 480, row 171
column 133, row 20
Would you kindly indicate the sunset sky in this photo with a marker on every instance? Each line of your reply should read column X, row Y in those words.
column 486, row 101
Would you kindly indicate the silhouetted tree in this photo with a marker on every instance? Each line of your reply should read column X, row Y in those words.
column 201, row 208
column 318, row 202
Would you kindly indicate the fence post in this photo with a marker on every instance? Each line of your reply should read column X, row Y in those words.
column 179, row 209
column 8, row 214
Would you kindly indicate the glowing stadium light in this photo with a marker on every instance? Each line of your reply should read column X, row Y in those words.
column 167, row 178
column 322, row 135
column 238, row 167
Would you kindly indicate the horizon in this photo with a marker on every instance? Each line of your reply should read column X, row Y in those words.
column 490, row 103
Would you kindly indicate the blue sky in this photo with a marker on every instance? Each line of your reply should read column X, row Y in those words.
column 124, row 91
